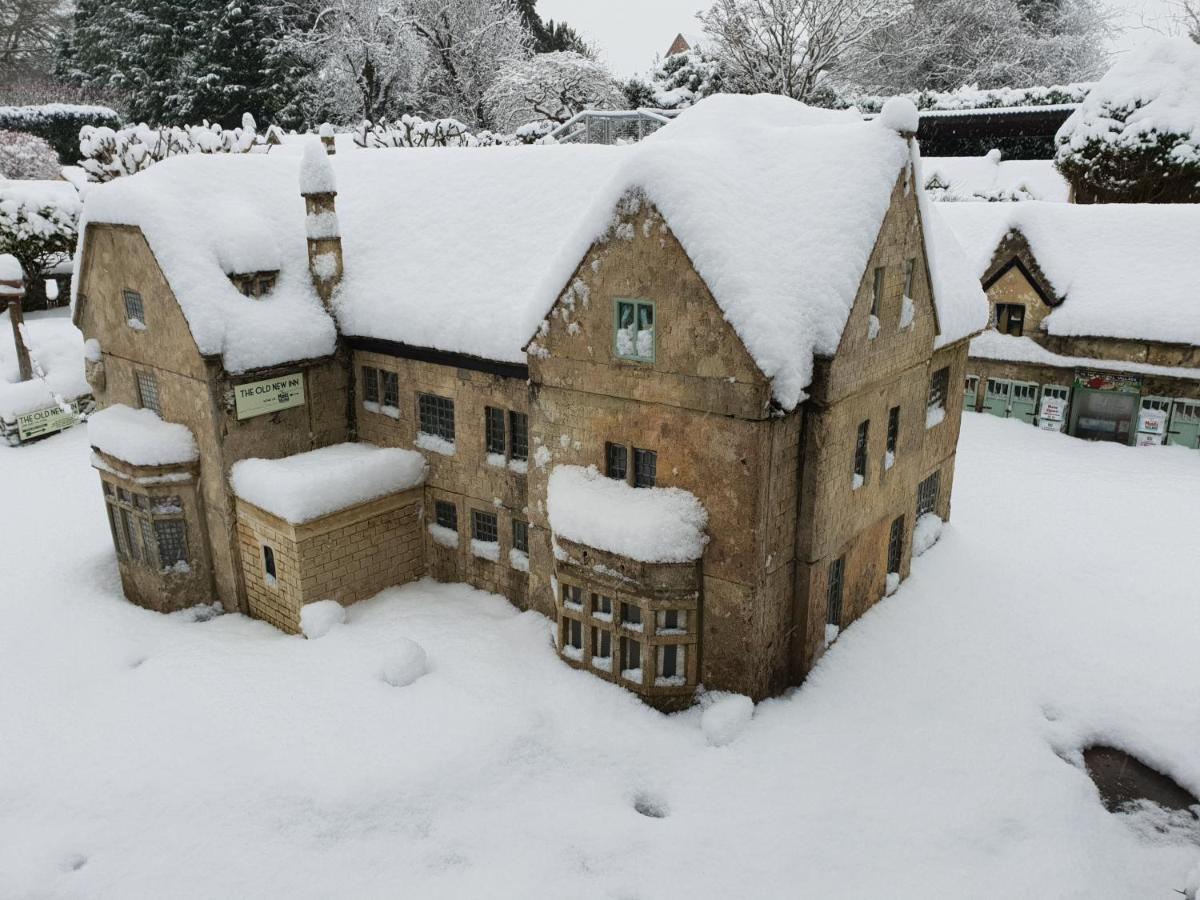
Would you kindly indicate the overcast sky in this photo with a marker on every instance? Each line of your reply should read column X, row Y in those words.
column 629, row 33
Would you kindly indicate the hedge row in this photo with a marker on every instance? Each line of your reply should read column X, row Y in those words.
column 58, row 124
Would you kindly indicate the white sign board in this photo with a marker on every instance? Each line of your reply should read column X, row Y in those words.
column 258, row 398
column 48, row 420
column 1152, row 421
column 1053, row 408
column 1050, row 425
column 1149, row 440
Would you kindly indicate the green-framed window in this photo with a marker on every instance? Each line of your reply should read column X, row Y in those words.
column 634, row 330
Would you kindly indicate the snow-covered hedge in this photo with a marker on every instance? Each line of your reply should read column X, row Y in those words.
column 57, row 123
column 27, row 156
column 109, row 153
column 413, row 131
column 971, row 97
column 1136, row 138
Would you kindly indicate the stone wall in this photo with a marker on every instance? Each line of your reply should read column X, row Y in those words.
column 466, row 478
column 348, row 556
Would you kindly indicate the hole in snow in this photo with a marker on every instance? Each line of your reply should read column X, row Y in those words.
column 1124, row 780
column 650, row 806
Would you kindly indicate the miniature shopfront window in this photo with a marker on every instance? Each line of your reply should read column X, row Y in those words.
column 391, row 391
column 602, row 648
column 436, row 415
column 150, row 530
column 631, row 616
column 370, row 381
column 633, row 330
column 833, row 598
column 895, row 545
column 147, row 386
column 135, row 310
column 484, row 527
column 520, row 535
column 446, row 515
column 616, row 461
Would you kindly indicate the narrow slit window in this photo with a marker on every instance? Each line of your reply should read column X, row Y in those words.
column 893, row 432
column 494, row 430
column 519, row 432
column 837, row 570
column 370, row 381
column 520, row 535
column 910, row 270
column 860, row 453
column 616, row 461
column 877, row 290
column 601, row 643
column 391, row 389
column 896, row 545
column 631, row 659
column 927, row 494
column 671, row 661
column 269, row 563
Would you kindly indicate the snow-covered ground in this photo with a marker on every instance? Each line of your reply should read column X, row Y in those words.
column 160, row 756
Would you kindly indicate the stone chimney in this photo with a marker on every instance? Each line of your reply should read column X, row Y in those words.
column 326, row 135
column 12, row 292
column 319, row 189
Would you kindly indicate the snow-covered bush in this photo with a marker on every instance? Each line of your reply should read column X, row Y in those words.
column 971, row 97
column 57, row 123
column 318, row 619
column 38, row 225
column 27, row 156
column 407, row 663
column 110, row 153
column 1136, row 137
column 550, row 87
column 413, row 131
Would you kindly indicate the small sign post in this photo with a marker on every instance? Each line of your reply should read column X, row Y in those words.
column 48, row 420
column 260, row 398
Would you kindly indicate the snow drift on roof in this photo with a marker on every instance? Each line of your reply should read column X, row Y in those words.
column 654, row 525
column 206, row 217
column 10, row 268
column 306, row 486
column 994, row 345
column 465, row 250
column 1123, row 270
column 140, row 437
column 979, row 177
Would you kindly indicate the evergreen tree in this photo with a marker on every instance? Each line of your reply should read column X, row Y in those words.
column 550, row 36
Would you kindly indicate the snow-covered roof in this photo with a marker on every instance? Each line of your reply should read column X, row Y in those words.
column 206, row 217
column 1122, row 270
column 465, row 250
column 969, row 177
column 58, row 194
column 654, row 525
column 140, row 437
column 310, row 485
column 994, row 345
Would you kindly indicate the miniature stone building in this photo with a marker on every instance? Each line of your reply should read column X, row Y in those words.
column 688, row 399
column 1095, row 329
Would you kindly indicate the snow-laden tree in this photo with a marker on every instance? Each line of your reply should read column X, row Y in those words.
column 364, row 58
column 27, row 156
column 550, row 36
column 684, row 78
column 941, row 45
column 1186, row 16
column 466, row 44
column 550, row 87
column 38, row 227
column 29, row 31
column 1136, row 136
column 793, row 47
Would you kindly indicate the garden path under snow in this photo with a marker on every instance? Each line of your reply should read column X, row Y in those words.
column 162, row 756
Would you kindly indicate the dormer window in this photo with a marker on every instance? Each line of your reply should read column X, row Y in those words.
column 254, row 284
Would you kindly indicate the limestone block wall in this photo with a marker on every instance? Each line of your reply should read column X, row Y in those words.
column 1153, row 352
column 348, row 556
column 1014, row 287
column 466, row 477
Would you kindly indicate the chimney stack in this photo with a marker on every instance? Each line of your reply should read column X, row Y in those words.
column 319, row 189
column 12, row 292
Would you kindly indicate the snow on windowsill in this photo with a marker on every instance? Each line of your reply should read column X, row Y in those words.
column 634, row 675
column 670, row 681
column 831, row 634
column 496, row 460
column 574, row 607
column 489, row 550
column 908, row 312
column 602, row 616
column 603, row 663
column 518, row 559
column 873, row 327
column 136, row 324
column 926, row 533
column 934, row 415
column 443, row 536
column 857, row 481
column 519, row 466
column 639, row 627
column 575, row 653
column 889, row 460
column 434, row 444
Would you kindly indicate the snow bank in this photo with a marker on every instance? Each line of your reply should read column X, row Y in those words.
column 725, row 718
column 56, row 350
column 994, row 345
column 992, row 178
column 1123, row 270
column 407, row 663
column 663, row 525
column 309, row 485
column 926, row 533
column 318, row 619
column 208, row 216
column 140, row 437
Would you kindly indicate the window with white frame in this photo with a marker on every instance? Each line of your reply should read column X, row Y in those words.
column 634, row 330
column 672, row 621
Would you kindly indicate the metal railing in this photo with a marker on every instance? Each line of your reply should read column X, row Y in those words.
column 603, row 126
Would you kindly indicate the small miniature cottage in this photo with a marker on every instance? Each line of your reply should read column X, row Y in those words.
column 687, row 398
column 1095, row 322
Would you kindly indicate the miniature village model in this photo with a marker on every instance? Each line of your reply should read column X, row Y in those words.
column 691, row 399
